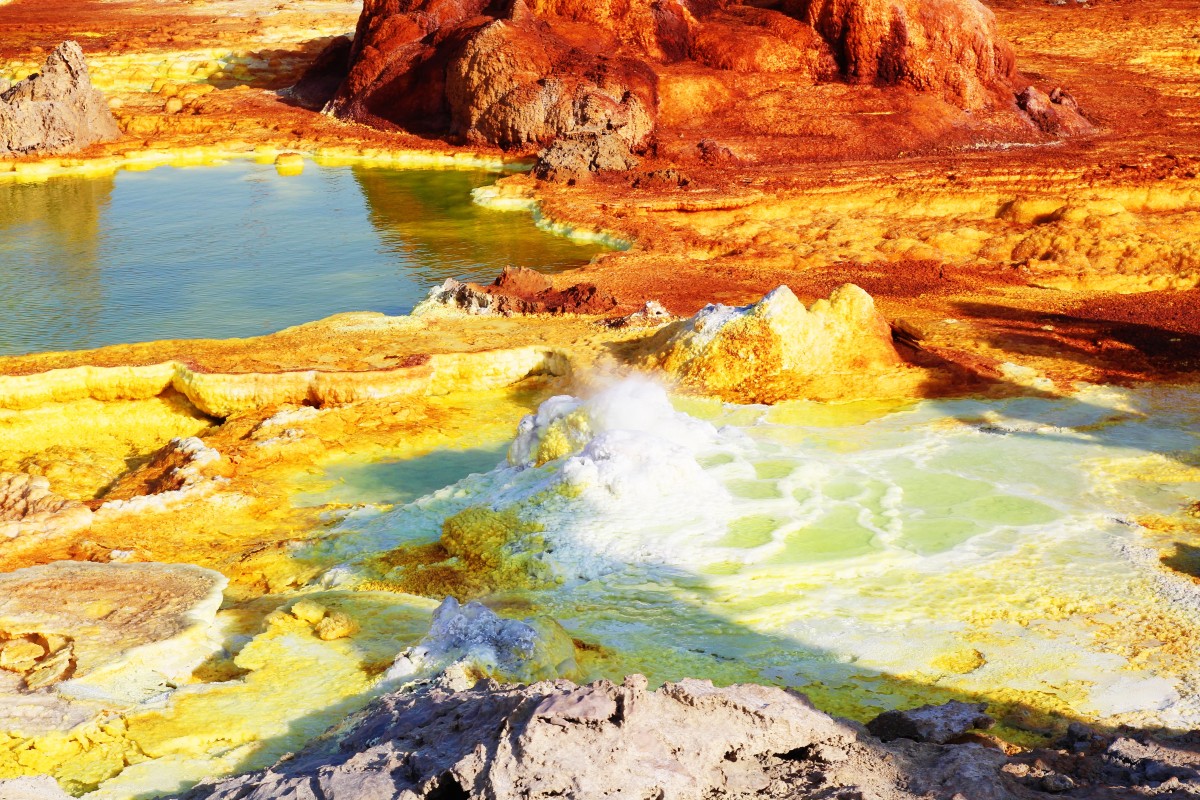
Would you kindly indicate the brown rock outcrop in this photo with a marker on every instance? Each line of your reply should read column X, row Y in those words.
column 506, row 79
column 56, row 111
column 937, row 724
column 1056, row 113
column 951, row 47
column 522, row 73
column 519, row 291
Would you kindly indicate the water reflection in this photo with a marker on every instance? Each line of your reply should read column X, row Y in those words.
column 237, row 250
column 421, row 214
column 49, row 277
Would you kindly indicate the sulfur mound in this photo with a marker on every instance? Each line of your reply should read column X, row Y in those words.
column 776, row 347
column 556, row 739
column 56, row 111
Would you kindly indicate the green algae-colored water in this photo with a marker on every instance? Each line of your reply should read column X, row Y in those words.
column 239, row 250
column 962, row 548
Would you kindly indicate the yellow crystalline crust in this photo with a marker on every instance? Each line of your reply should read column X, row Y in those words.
column 290, row 686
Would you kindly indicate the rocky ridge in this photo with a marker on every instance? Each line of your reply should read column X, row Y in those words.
column 556, row 739
column 452, row 739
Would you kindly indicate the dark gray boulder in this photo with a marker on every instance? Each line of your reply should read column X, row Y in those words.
column 937, row 724
column 55, row 111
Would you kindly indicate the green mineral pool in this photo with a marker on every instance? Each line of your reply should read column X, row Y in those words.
column 997, row 550
column 239, row 250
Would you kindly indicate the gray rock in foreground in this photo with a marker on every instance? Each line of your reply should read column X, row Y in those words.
column 556, row 739
column 56, row 111
column 937, row 724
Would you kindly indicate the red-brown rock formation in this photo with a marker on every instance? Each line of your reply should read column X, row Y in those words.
column 950, row 47
column 520, row 291
column 522, row 73
column 505, row 78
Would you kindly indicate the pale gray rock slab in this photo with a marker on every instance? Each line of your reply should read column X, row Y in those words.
column 554, row 739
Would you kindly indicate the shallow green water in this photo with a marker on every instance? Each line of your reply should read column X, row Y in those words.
column 396, row 481
column 238, row 250
column 973, row 547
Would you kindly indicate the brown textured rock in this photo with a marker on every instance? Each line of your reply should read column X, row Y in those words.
column 28, row 506
column 1056, row 113
column 951, row 47
column 507, row 79
column 521, row 73
column 56, row 111
column 574, row 158
column 556, row 739
column 519, row 291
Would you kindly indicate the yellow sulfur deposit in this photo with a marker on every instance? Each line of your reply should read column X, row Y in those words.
column 480, row 551
column 775, row 347
column 83, row 445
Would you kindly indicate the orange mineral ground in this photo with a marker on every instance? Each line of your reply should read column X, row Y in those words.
column 1011, row 190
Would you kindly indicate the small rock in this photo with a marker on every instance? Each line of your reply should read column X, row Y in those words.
column 937, row 724
column 1056, row 782
column 713, row 152
column 173, row 105
column 1057, row 117
column 652, row 313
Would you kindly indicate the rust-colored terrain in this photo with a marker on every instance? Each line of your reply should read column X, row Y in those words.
column 774, row 143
